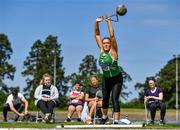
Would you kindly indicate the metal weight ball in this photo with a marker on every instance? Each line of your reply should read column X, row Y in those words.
column 121, row 10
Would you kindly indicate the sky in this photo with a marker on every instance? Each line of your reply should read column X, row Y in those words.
column 148, row 35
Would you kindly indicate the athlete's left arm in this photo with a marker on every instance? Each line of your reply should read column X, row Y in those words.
column 112, row 36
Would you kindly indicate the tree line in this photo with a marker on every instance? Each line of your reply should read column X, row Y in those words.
column 41, row 58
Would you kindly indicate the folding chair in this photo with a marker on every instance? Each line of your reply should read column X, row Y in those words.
column 39, row 116
column 148, row 113
column 97, row 114
column 99, row 107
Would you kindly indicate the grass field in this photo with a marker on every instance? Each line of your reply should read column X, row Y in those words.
column 133, row 115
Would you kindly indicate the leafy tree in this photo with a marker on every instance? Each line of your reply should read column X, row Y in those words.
column 3, row 97
column 34, row 68
column 7, row 70
column 126, row 78
column 87, row 68
column 166, row 80
column 41, row 60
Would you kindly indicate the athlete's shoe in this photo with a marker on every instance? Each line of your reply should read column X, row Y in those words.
column 103, row 121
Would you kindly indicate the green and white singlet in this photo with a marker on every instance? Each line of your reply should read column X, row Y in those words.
column 109, row 66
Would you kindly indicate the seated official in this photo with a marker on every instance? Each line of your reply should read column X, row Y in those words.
column 46, row 95
column 16, row 103
column 154, row 99
column 76, row 102
column 94, row 98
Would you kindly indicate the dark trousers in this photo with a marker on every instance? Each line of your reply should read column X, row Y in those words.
column 154, row 106
column 113, row 85
column 6, row 108
column 46, row 107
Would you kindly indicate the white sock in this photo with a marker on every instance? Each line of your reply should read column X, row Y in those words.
column 115, row 120
column 104, row 116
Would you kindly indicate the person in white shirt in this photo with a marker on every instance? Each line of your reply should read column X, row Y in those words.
column 16, row 102
column 46, row 96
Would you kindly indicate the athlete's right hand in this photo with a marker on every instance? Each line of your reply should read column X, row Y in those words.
column 100, row 19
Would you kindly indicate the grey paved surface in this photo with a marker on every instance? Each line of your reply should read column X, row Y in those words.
column 132, row 115
column 61, row 116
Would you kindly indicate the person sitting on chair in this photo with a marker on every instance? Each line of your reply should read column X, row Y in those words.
column 76, row 102
column 16, row 103
column 46, row 95
column 94, row 98
column 153, row 98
